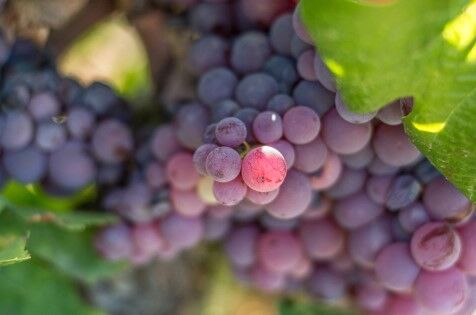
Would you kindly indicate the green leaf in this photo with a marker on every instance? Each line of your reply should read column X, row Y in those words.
column 425, row 49
column 32, row 288
column 12, row 250
column 288, row 307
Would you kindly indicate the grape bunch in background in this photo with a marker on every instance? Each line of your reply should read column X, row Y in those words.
column 54, row 132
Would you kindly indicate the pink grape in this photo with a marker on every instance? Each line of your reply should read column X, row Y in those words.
column 301, row 125
column 223, row 164
column 200, row 157
column 371, row 296
column 401, row 304
column 264, row 169
column 261, row 198
column 322, row 239
column 187, row 203
column 394, row 147
column 267, row 280
column 310, row 157
column 287, row 150
column 279, row 251
column 467, row 261
column 435, row 246
column 230, row 193
column 181, row 171
column 305, row 65
column 330, row 173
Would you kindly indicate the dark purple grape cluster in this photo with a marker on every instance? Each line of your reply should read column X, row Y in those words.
column 304, row 195
column 55, row 132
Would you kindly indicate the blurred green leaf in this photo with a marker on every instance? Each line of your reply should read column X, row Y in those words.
column 288, row 307
column 12, row 249
column 32, row 288
column 425, row 49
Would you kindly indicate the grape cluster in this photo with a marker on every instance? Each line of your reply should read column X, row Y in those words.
column 55, row 132
column 303, row 194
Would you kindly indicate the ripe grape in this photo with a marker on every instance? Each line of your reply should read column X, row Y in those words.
column 223, row 164
column 301, row 125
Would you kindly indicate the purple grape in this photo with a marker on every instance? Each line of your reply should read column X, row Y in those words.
column 250, row 51
column 329, row 177
column 247, row 116
column 360, row 159
column 294, row 196
column 322, row 238
column 115, row 242
column 268, row 127
column 305, row 65
column 99, row 97
column 155, row 175
column 349, row 116
column 380, row 168
column 181, row 172
column 255, row 90
column 467, row 261
column 43, row 106
column 200, row 157
column 181, row 232
column 263, row 12
column 132, row 202
column 301, row 125
column 223, row 164
column 279, row 251
column 356, row 211
column 313, row 95
column 163, row 143
column 280, row 103
column 413, row 216
column 377, row 188
column 298, row 46
column 310, row 157
column 216, row 85
column 283, row 70
column 426, row 172
column 147, row 242
column 323, row 74
column 349, row 182
column 240, row 245
column 207, row 53
column 327, row 284
column 230, row 132
column 80, row 122
column 191, row 122
column 224, row 109
column 281, row 34
column 287, row 150
column 391, row 114
column 50, row 136
column 209, row 134
column 395, row 268
column 371, row 297
column 403, row 191
column 267, row 280
column 112, row 141
column 17, row 130
column 231, row 192
column 300, row 28
column 27, row 165
column 393, row 146
column 187, row 203
column 261, row 198
column 271, row 223
column 216, row 229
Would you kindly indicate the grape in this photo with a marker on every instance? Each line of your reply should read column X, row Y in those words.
column 319, row 208
column 401, row 304
column 27, row 165
column 155, row 175
column 207, row 53
column 403, row 191
column 133, row 202
column 310, row 157
column 366, row 242
column 323, row 74
column 43, row 106
column 200, row 157
column 211, row 18
column 230, row 132
column 327, row 284
column 467, row 261
column 261, row 198
column 264, row 169
column 230, row 193
column 268, row 127
column 163, row 143
column 302, row 270
column 264, row 11
column 356, row 210
column 80, row 122
column 220, row 211
column 305, row 65
column 435, row 246
column 216, row 85
column 283, row 70
column 280, row 103
column 360, row 159
column 294, row 197
column 147, row 242
column 224, row 109
column 181, row 172
column 50, row 136
column 216, row 229
column 191, row 122
column 181, row 232
column 250, row 51
column 115, row 242
column 223, row 164
column 255, row 90
column 301, row 125
column 371, row 297
column 17, row 130
column 112, row 141
column 99, row 97
column 209, row 134
column 347, row 115
column 275, row 224
column 377, row 188
column 413, row 216
column 313, row 95
column 298, row 46
column 247, row 116
column 322, row 239
column 395, row 267
column 279, row 251
column 393, row 146
column 343, row 137
column 442, row 292
column 70, row 168
column 349, row 182
column 391, row 114
column 426, row 172
column 398, row 232
column 444, row 202
column 287, row 150
column 378, row 167
column 187, row 203
column 329, row 175
column 267, row 280
column 299, row 27
column 240, row 245
column 281, row 34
